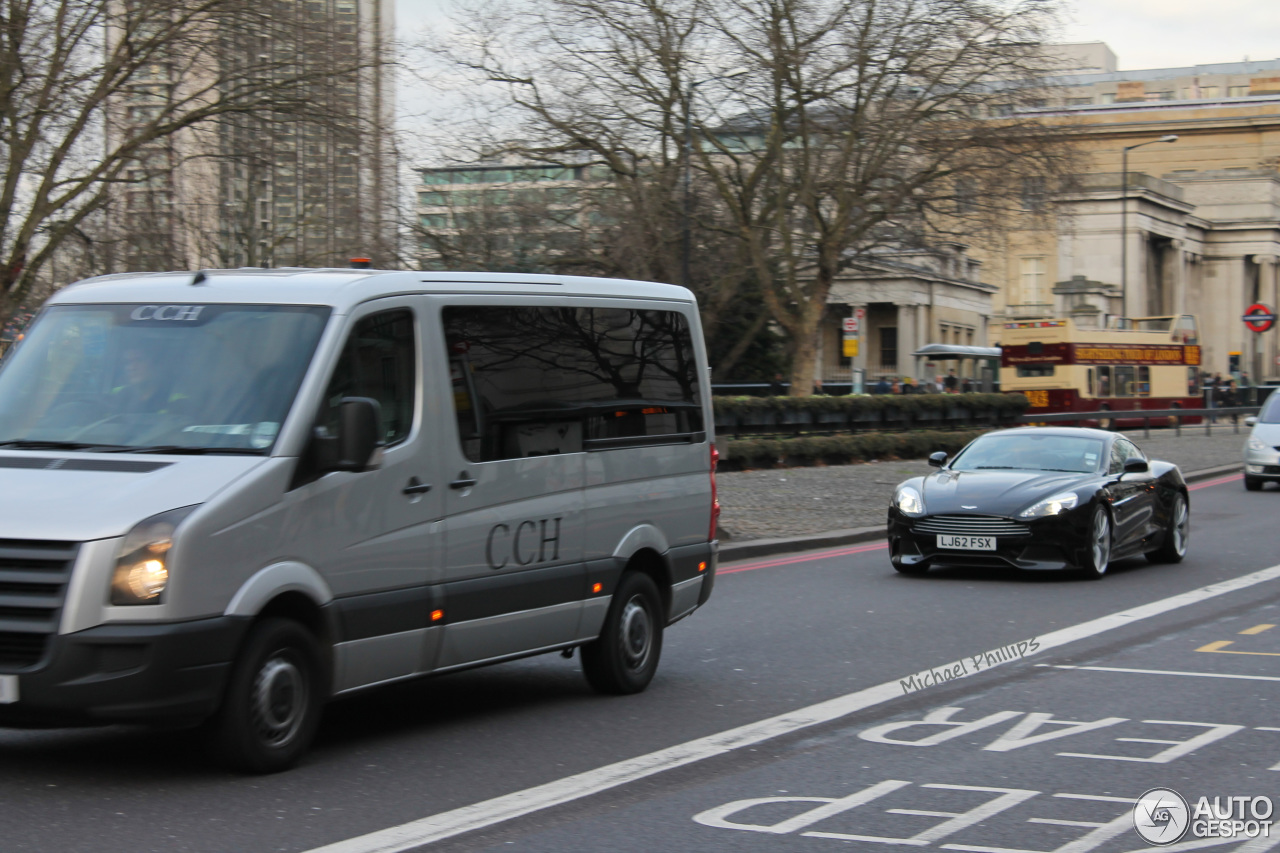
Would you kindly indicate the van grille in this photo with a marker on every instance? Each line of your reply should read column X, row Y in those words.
column 971, row 525
column 33, row 583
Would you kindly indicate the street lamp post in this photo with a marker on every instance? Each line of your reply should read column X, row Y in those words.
column 1124, row 220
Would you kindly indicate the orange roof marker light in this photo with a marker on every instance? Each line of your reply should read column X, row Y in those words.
column 361, row 263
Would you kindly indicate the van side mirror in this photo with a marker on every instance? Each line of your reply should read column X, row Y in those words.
column 1250, row 421
column 356, row 446
column 937, row 460
column 1134, row 465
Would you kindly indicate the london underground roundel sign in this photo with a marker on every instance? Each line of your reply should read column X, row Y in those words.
column 1259, row 317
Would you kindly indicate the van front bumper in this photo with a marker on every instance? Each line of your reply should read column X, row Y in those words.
column 173, row 674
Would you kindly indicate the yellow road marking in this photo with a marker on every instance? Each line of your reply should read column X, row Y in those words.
column 1220, row 647
column 1257, row 629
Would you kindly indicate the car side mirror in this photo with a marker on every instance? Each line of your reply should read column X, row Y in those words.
column 937, row 460
column 1134, row 465
column 356, row 447
column 1250, row 421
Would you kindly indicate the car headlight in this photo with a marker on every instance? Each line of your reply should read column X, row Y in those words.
column 1256, row 443
column 142, row 563
column 1051, row 506
column 908, row 500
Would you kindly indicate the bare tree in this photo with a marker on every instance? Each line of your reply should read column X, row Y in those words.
column 819, row 130
column 96, row 95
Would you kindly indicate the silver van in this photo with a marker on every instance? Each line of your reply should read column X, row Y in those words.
column 230, row 496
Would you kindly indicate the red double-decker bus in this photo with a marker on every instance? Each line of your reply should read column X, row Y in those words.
column 1134, row 364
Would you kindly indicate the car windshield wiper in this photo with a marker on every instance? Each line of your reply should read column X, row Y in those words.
column 37, row 444
column 189, row 450
column 996, row 468
column 1066, row 470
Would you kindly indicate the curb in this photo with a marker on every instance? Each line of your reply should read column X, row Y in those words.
column 834, row 538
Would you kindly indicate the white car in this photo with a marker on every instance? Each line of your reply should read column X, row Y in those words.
column 1262, row 450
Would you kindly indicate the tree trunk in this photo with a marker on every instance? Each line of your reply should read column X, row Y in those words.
column 804, row 357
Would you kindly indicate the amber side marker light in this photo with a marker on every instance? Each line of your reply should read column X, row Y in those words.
column 702, row 567
column 596, row 587
column 437, row 615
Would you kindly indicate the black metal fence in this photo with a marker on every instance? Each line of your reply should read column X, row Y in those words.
column 1107, row 418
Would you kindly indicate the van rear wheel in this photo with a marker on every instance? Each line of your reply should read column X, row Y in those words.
column 625, row 656
column 273, row 702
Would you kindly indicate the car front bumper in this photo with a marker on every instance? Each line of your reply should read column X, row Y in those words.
column 171, row 673
column 1057, row 542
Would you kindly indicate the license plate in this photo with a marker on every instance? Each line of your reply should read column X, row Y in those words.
column 8, row 689
column 967, row 543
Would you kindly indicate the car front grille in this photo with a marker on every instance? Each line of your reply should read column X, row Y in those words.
column 33, row 583
column 971, row 525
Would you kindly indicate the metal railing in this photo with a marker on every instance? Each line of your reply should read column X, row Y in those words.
column 1110, row 416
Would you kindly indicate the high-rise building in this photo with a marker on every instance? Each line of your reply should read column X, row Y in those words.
column 275, row 185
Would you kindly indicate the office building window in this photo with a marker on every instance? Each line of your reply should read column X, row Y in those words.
column 889, row 347
column 1032, row 278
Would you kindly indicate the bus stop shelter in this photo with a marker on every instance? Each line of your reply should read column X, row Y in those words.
column 985, row 368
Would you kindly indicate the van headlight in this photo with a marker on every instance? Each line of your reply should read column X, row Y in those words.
column 142, row 564
column 909, row 501
column 1051, row 506
column 1256, row 443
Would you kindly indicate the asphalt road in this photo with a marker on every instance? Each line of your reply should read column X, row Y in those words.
column 816, row 644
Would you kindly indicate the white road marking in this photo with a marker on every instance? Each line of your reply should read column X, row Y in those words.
column 476, row 816
column 1163, row 672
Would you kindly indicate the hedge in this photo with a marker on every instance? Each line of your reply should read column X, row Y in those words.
column 744, row 453
column 1008, row 405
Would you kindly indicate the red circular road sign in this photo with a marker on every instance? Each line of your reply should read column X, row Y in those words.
column 1259, row 317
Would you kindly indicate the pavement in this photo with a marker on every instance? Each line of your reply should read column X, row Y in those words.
column 782, row 510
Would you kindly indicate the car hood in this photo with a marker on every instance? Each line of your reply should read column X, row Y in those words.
column 82, row 496
column 1268, row 434
column 992, row 492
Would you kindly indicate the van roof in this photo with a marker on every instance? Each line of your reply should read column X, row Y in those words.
column 340, row 288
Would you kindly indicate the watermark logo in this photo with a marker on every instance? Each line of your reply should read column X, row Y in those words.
column 1161, row 816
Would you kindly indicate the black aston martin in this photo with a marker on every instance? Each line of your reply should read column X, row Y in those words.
column 1040, row 498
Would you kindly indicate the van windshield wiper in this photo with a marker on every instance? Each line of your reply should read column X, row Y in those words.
column 37, row 444
column 189, row 450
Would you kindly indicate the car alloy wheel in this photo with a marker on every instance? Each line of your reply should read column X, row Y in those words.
column 1099, row 543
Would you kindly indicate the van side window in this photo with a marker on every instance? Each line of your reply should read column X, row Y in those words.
column 379, row 360
column 532, row 381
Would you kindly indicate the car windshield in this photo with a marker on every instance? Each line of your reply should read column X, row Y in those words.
column 175, row 378
column 1031, row 452
column 1270, row 413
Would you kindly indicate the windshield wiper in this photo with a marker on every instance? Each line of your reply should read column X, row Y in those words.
column 37, row 444
column 189, row 450
column 996, row 468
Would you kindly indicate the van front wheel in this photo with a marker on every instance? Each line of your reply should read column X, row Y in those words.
column 625, row 656
column 273, row 702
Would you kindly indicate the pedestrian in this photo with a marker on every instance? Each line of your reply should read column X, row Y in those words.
column 1212, row 395
column 951, row 383
column 895, row 387
column 967, row 387
column 908, row 386
column 1228, row 399
column 882, row 387
column 817, row 388
column 777, row 387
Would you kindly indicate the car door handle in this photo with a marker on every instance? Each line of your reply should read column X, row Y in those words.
column 463, row 481
column 416, row 487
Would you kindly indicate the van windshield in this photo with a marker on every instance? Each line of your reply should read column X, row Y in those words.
column 164, row 378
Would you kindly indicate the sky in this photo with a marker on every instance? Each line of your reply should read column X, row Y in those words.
column 1142, row 33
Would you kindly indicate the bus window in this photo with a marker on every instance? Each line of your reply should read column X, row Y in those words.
column 1104, row 381
column 1035, row 370
column 1123, row 381
column 1186, row 332
column 1193, row 382
column 1144, row 381
column 1088, row 380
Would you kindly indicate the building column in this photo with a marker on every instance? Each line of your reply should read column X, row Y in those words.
column 1265, row 344
column 906, row 338
column 1177, row 278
